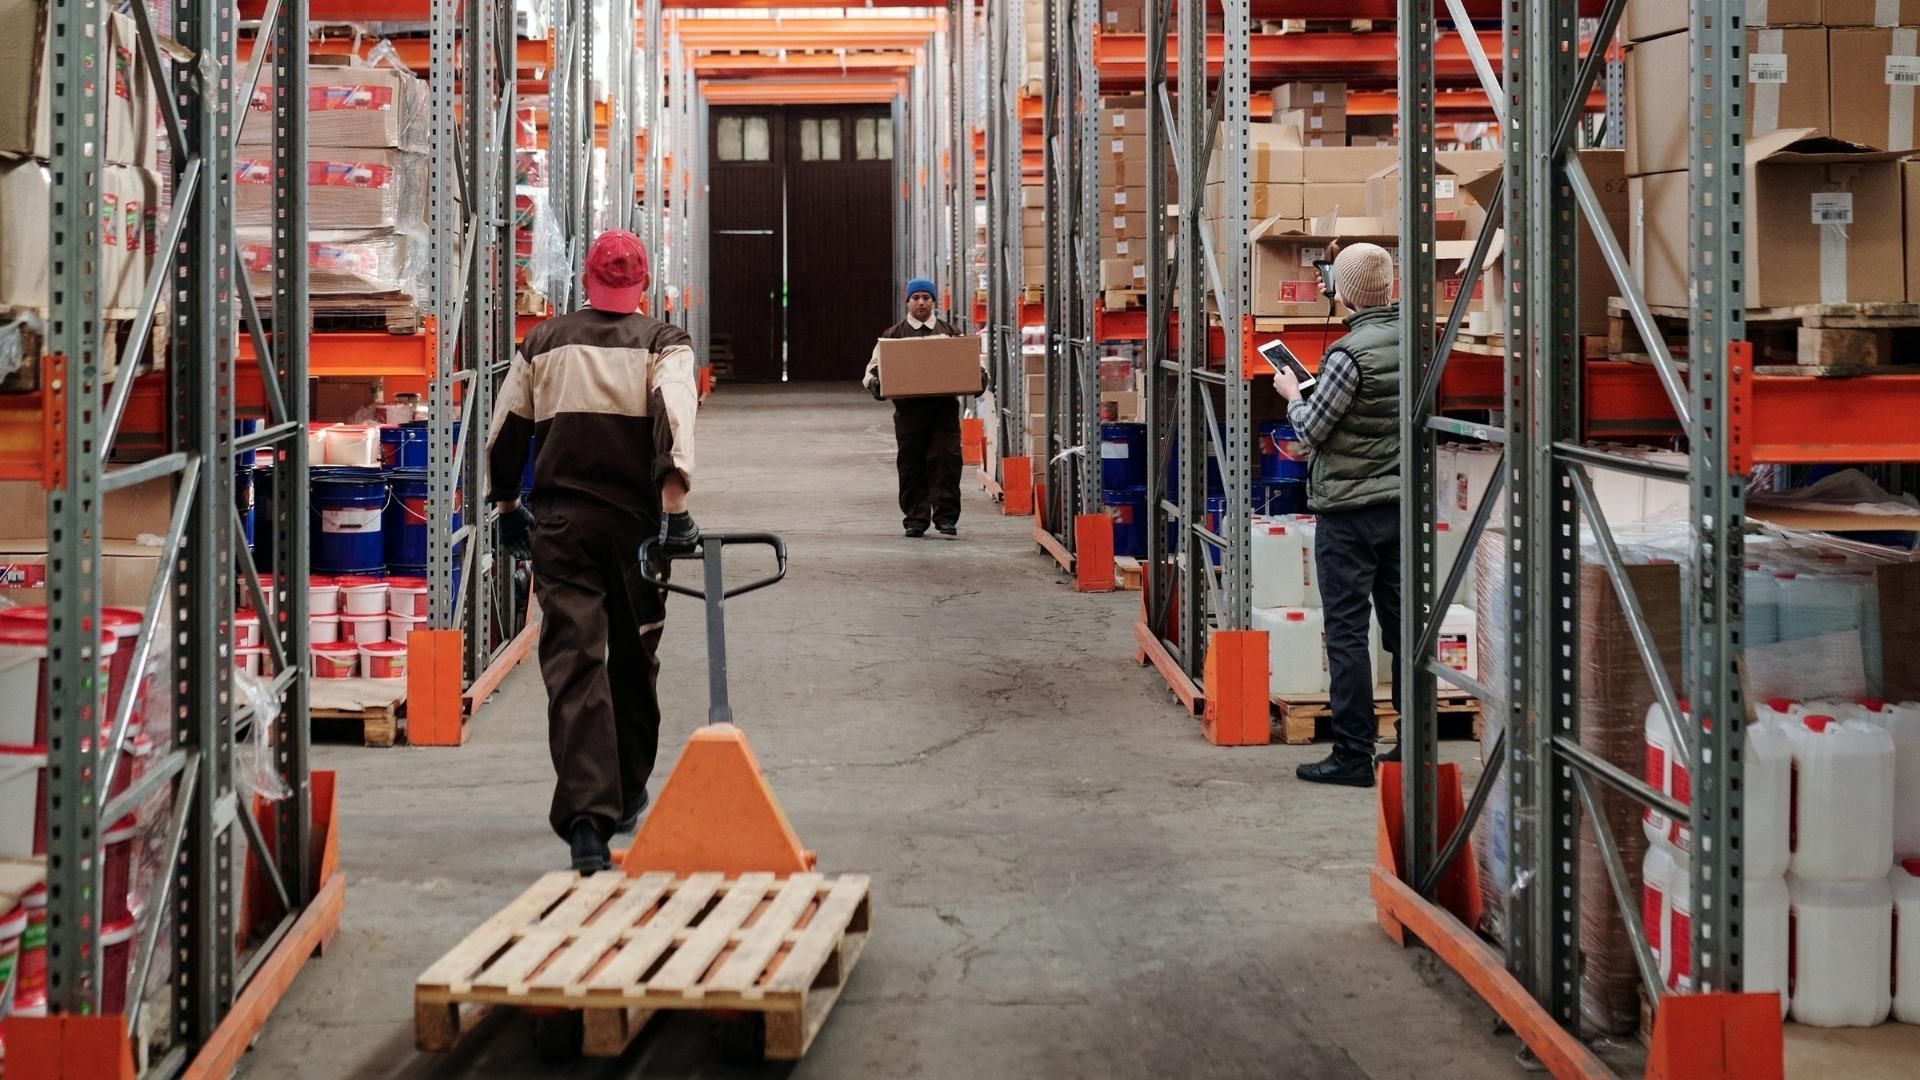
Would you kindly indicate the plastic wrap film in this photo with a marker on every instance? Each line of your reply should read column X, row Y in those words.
column 1615, row 694
column 378, row 265
column 1490, row 850
column 350, row 105
column 346, row 189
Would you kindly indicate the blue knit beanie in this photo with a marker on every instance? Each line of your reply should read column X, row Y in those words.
column 921, row 285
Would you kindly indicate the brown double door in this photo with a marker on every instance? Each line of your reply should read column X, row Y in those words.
column 802, row 239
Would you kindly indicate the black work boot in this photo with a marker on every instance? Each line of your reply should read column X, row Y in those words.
column 590, row 854
column 948, row 529
column 1391, row 757
column 915, row 532
column 1338, row 769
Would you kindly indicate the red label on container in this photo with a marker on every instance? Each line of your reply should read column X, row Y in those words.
column 349, row 98
column 23, row 575
column 353, row 174
column 252, row 171
column 122, row 73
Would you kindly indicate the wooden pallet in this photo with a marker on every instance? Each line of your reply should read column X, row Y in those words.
column 1126, row 573
column 1123, row 299
column 621, row 949
column 1810, row 339
column 1306, row 718
column 378, row 725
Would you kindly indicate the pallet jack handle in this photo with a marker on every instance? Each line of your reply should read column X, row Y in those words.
column 710, row 550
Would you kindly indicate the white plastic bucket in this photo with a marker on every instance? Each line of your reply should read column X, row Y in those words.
column 1842, row 952
column 23, row 827
column 1458, row 647
column 1277, row 579
column 246, row 628
column 353, row 444
column 1842, row 799
column 323, row 596
column 363, row 596
column 1766, row 948
column 1905, row 884
column 408, row 596
column 338, row 660
column 22, row 663
column 363, row 629
column 400, row 626
column 385, row 661
column 1296, row 655
column 323, row 630
column 249, row 658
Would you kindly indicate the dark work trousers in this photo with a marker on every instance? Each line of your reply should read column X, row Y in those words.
column 600, row 627
column 927, row 431
column 1357, row 556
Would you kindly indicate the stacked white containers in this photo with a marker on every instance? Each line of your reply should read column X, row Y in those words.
column 1842, row 853
column 1667, row 873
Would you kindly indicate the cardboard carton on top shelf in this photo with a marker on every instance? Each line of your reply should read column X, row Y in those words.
column 1874, row 75
column 351, row 105
column 1125, row 116
column 1823, row 226
column 1033, row 197
column 1787, row 88
column 26, row 86
column 1320, row 120
column 1122, row 16
column 1883, row 13
column 1383, row 193
column 1467, row 164
column 346, row 188
column 1309, row 95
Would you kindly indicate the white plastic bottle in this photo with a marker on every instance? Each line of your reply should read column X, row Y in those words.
column 1276, row 561
column 1296, row 658
column 1680, row 926
column 1902, row 722
column 1767, row 922
column 1458, row 647
column 1842, row 951
column 1768, row 815
column 1309, row 527
column 1667, row 773
column 1905, row 883
column 1446, row 550
column 1842, row 798
column 1657, row 869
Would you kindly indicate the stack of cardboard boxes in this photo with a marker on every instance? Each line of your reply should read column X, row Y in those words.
column 1123, row 201
column 130, row 190
column 1830, row 91
column 1033, row 241
column 367, row 186
column 1034, row 37
column 1123, row 16
column 1319, row 110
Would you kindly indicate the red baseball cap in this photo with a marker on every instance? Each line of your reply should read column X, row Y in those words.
column 617, row 272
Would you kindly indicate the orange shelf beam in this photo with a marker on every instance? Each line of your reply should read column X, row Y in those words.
column 793, row 92
column 1276, row 56
column 760, row 63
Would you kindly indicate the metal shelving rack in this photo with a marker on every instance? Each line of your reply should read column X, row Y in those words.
column 204, row 560
column 1544, row 496
column 957, row 174
column 1005, row 264
column 1187, row 596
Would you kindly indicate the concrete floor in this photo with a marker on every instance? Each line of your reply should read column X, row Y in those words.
column 1068, row 880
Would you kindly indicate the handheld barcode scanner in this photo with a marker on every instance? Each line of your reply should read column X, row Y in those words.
column 1325, row 267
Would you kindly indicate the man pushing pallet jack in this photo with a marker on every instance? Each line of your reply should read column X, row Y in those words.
column 716, row 907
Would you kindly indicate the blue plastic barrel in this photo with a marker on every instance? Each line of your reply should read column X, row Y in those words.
column 348, row 504
column 263, row 511
column 244, row 459
column 1129, row 510
column 410, row 449
column 1283, row 457
column 406, row 520
column 1215, row 482
column 243, row 500
column 1216, row 517
column 1123, row 456
column 1287, row 497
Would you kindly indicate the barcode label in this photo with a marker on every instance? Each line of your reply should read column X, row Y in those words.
column 1833, row 208
column 1311, row 255
column 1903, row 71
column 1119, row 198
column 1319, row 97
column 1767, row 68
column 1122, row 247
column 1443, row 187
column 1316, row 123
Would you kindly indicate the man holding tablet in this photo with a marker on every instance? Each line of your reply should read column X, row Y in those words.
column 1351, row 422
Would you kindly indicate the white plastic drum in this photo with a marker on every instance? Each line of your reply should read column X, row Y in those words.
column 1666, row 773
column 1843, row 799
column 1277, row 581
column 1842, row 952
column 1296, row 658
column 1905, row 883
column 1766, row 922
column 23, row 654
column 1902, row 721
column 1309, row 527
column 1657, row 871
column 1769, row 806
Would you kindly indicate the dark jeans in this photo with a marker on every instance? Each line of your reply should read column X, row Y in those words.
column 1357, row 557
column 600, row 627
column 927, row 431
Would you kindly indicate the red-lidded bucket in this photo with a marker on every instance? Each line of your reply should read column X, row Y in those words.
column 335, row 661
column 30, row 977
column 399, row 626
column 13, row 927
column 323, row 630
column 407, row 596
column 385, row 660
column 363, row 596
column 363, row 629
column 246, row 628
column 116, row 873
column 133, row 765
column 323, row 596
column 116, row 964
column 23, row 669
column 250, row 658
column 245, row 599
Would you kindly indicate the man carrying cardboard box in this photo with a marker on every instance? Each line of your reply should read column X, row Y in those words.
column 1352, row 426
column 926, row 422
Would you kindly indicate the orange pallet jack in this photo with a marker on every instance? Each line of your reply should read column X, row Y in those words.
column 716, row 907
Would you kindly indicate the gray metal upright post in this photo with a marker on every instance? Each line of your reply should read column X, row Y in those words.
column 1196, row 138
column 1236, row 453
column 654, row 232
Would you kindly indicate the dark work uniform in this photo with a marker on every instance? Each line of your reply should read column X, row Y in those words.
column 927, row 433
column 611, row 400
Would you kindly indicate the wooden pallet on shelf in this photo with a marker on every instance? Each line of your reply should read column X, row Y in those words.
column 619, row 950
column 1807, row 339
column 1123, row 299
column 378, row 725
column 1126, row 573
column 1305, row 718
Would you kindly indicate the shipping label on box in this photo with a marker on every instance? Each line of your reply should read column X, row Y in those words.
column 1320, row 120
column 1309, row 95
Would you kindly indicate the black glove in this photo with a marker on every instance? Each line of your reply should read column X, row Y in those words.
column 516, row 532
column 875, row 391
column 679, row 533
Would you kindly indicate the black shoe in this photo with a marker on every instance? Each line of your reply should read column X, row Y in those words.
column 632, row 820
column 590, row 854
column 915, row 532
column 948, row 529
column 1338, row 770
column 1391, row 757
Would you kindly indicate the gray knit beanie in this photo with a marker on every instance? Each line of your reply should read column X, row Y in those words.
column 1363, row 276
